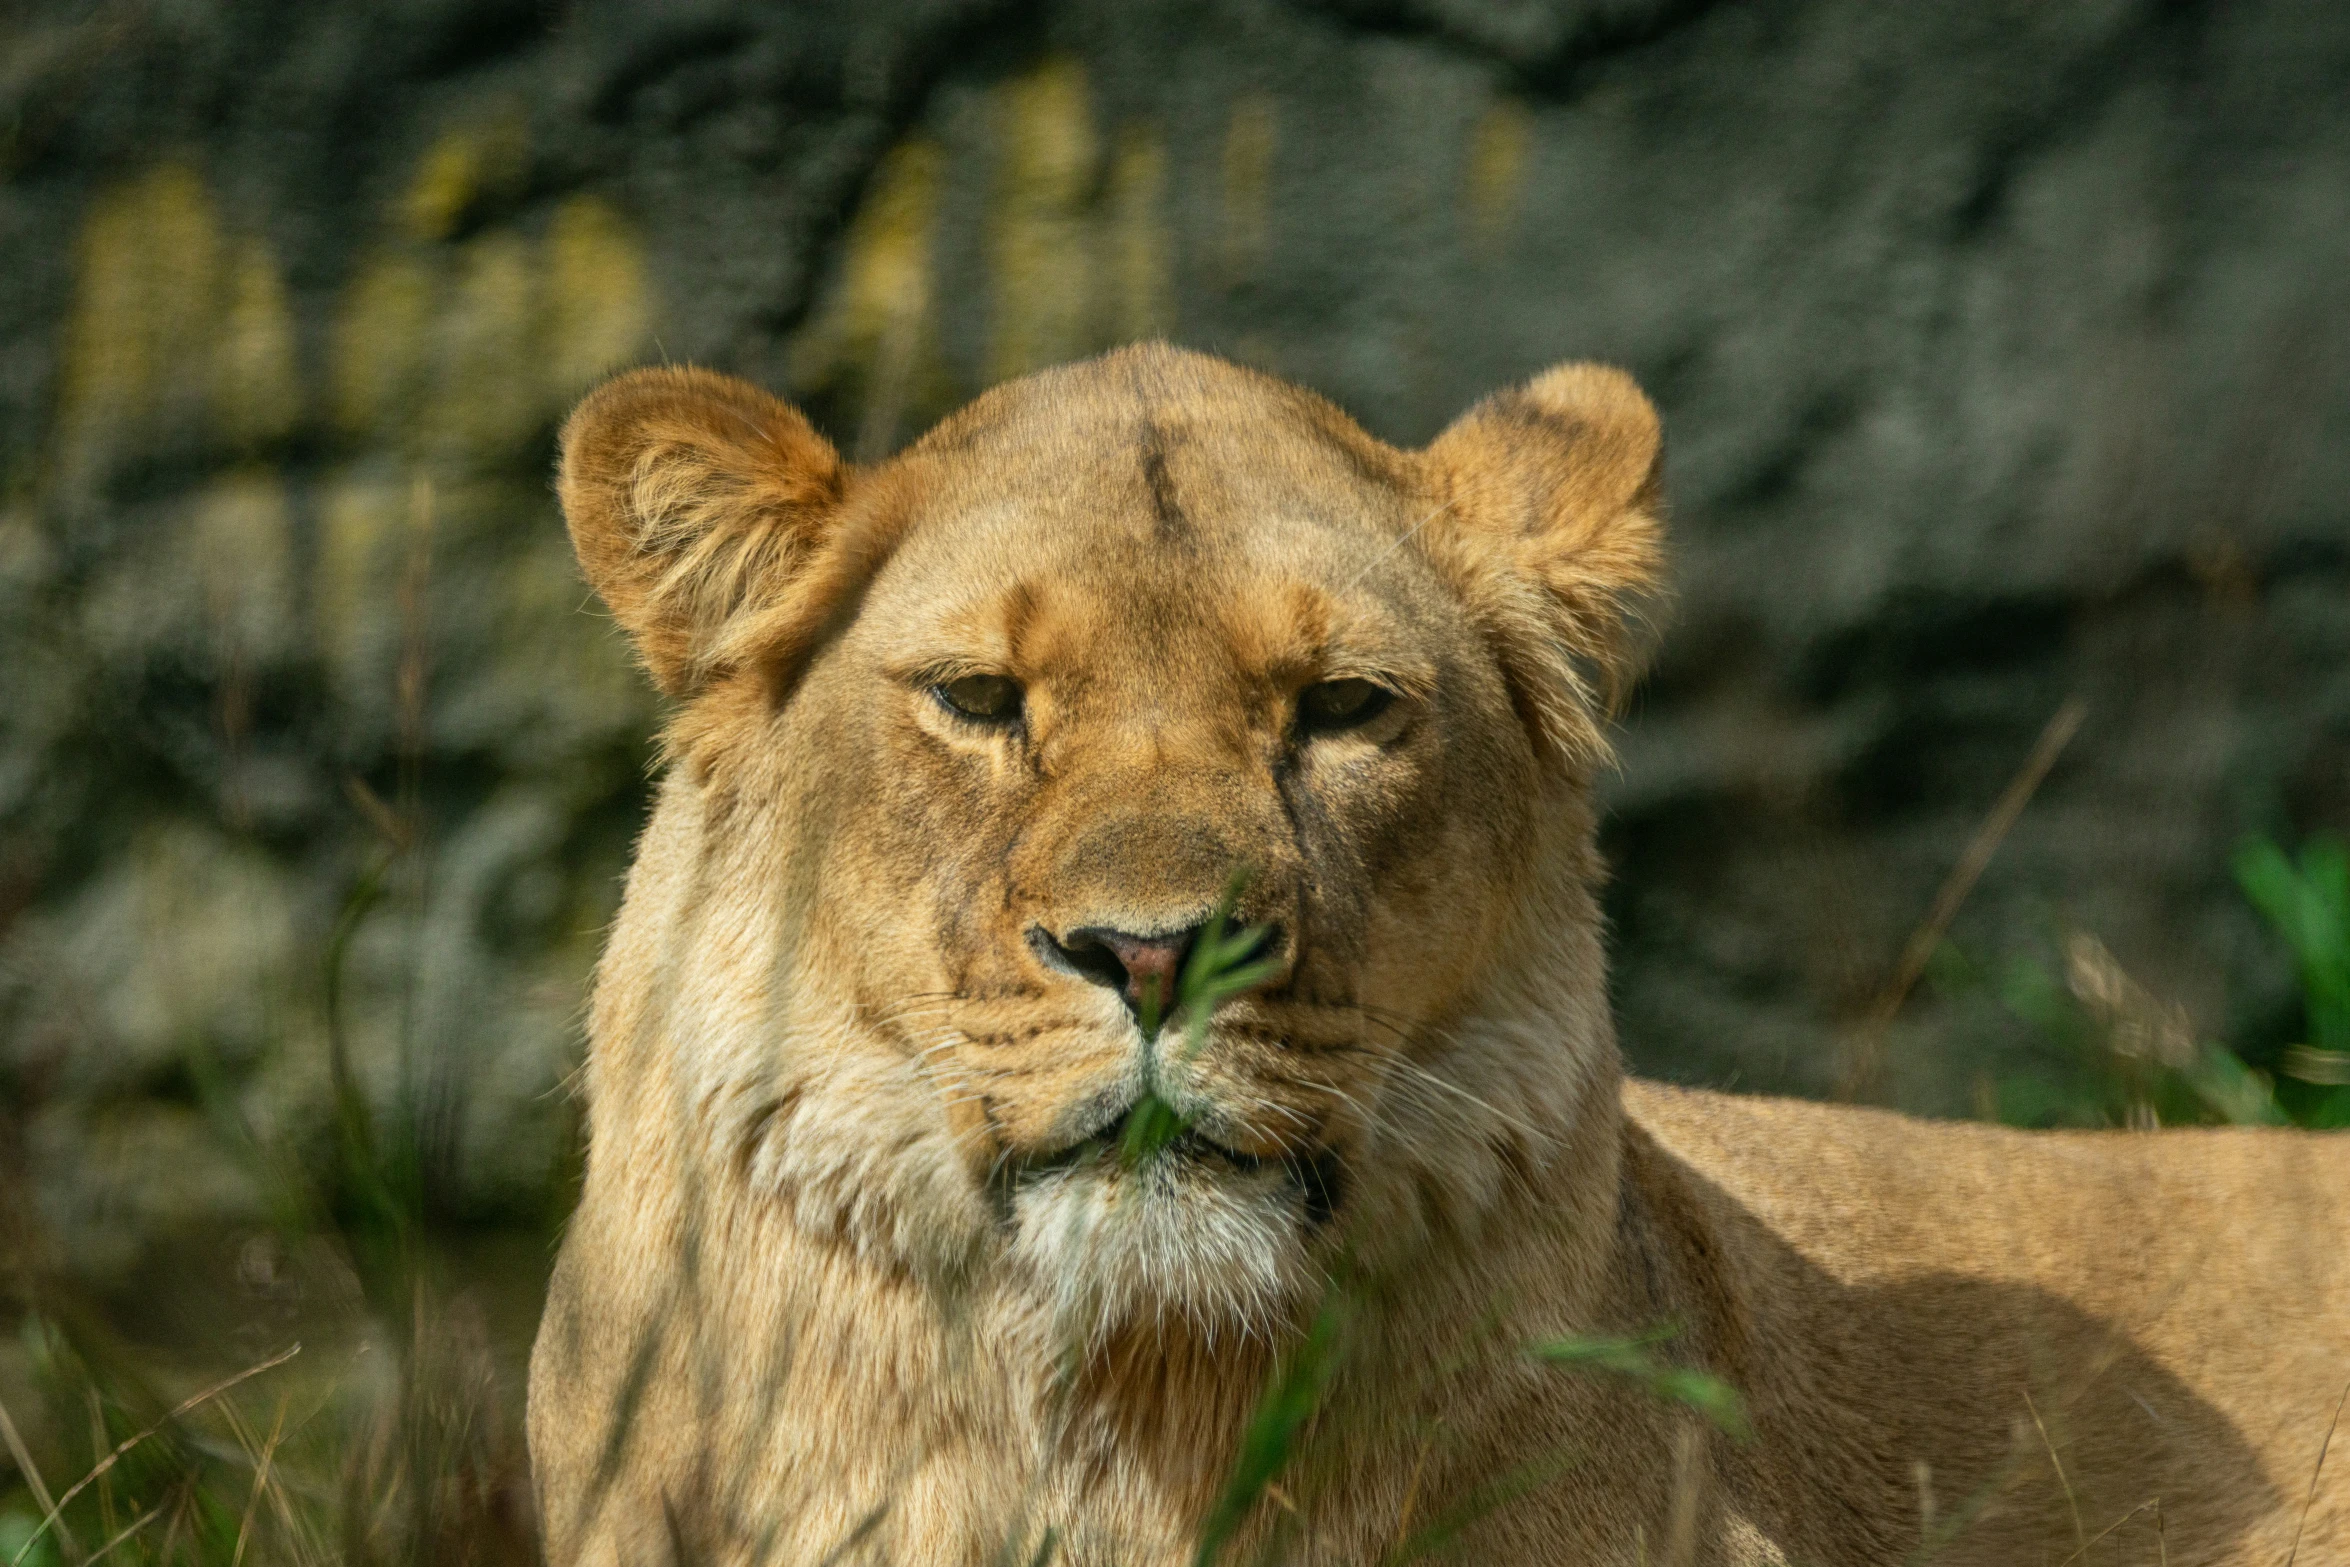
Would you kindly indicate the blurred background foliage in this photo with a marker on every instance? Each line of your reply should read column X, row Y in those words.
column 2002, row 352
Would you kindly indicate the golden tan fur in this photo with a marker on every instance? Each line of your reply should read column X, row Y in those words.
column 857, row 1275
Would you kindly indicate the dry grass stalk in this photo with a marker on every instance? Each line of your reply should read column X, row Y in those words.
column 99, row 1470
column 2154, row 1502
column 32, row 1475
column 2308, row 1501
column 260, row 1484
column 129, row 1529
column 2136, row 1022
column 2072, row 1504
column 1868, row 1055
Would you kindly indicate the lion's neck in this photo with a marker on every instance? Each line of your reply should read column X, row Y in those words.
column 1159, row 1412
column 1162, row 1414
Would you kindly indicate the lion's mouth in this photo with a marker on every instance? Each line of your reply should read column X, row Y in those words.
column 1125, row 1140
column 1146, row 1135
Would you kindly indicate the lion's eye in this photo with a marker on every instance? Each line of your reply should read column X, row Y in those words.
column 991, row 699
column 1341, row 704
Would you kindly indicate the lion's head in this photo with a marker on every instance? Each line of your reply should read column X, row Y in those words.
column 970, row 745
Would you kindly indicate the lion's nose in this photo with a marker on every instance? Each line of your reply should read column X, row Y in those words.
column 1136, row 966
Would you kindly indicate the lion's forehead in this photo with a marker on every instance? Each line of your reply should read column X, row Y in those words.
column 1046, row 585
column 1197, row 521
column 1169, row 472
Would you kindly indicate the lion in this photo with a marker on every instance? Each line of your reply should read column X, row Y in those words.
column 975, row 750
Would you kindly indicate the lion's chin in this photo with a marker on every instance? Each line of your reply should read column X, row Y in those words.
column 1192, row 1233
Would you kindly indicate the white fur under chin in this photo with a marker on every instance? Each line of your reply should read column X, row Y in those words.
column 1221, row 1248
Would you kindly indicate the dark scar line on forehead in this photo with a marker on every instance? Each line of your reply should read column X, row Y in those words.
column 1160, row 483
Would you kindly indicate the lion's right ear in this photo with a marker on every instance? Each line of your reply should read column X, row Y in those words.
column 692, row 497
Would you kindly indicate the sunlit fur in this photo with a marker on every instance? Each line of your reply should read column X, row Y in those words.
column 861, row 1271
column 1110, row 1246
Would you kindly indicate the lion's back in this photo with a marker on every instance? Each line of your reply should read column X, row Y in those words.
column 2121, row 1219
column 2172, row 1307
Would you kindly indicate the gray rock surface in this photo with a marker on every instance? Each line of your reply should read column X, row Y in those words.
column 2002, row 349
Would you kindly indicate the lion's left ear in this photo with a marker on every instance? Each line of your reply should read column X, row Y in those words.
column 1550, row 493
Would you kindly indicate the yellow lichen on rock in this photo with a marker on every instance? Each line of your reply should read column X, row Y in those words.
column 449, row 361
column 1250, row 139
column 358, row 529
column 138, row 338
column 381, row 342
column 1496, row 174
column 877, row 330
column 490, row 334
column 1077, row 253
column 466, row 352
column 1143, row 249
column 1041, row 242
column 484, row 156
column 599, row 304
column 177, row 332
column 256, row 383
column 240, row 545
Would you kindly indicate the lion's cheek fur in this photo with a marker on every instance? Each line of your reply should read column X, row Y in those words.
column 720, row 1373
column 720, row 1042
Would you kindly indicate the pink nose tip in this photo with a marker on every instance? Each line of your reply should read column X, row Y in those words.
column 1143, row 969
column 1151, row 963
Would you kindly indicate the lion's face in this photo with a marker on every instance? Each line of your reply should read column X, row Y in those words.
column 1006, row 724
column 1094, row 698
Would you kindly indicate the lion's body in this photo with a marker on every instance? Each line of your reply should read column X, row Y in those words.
column 2157, row 1315
column 860, row 1271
